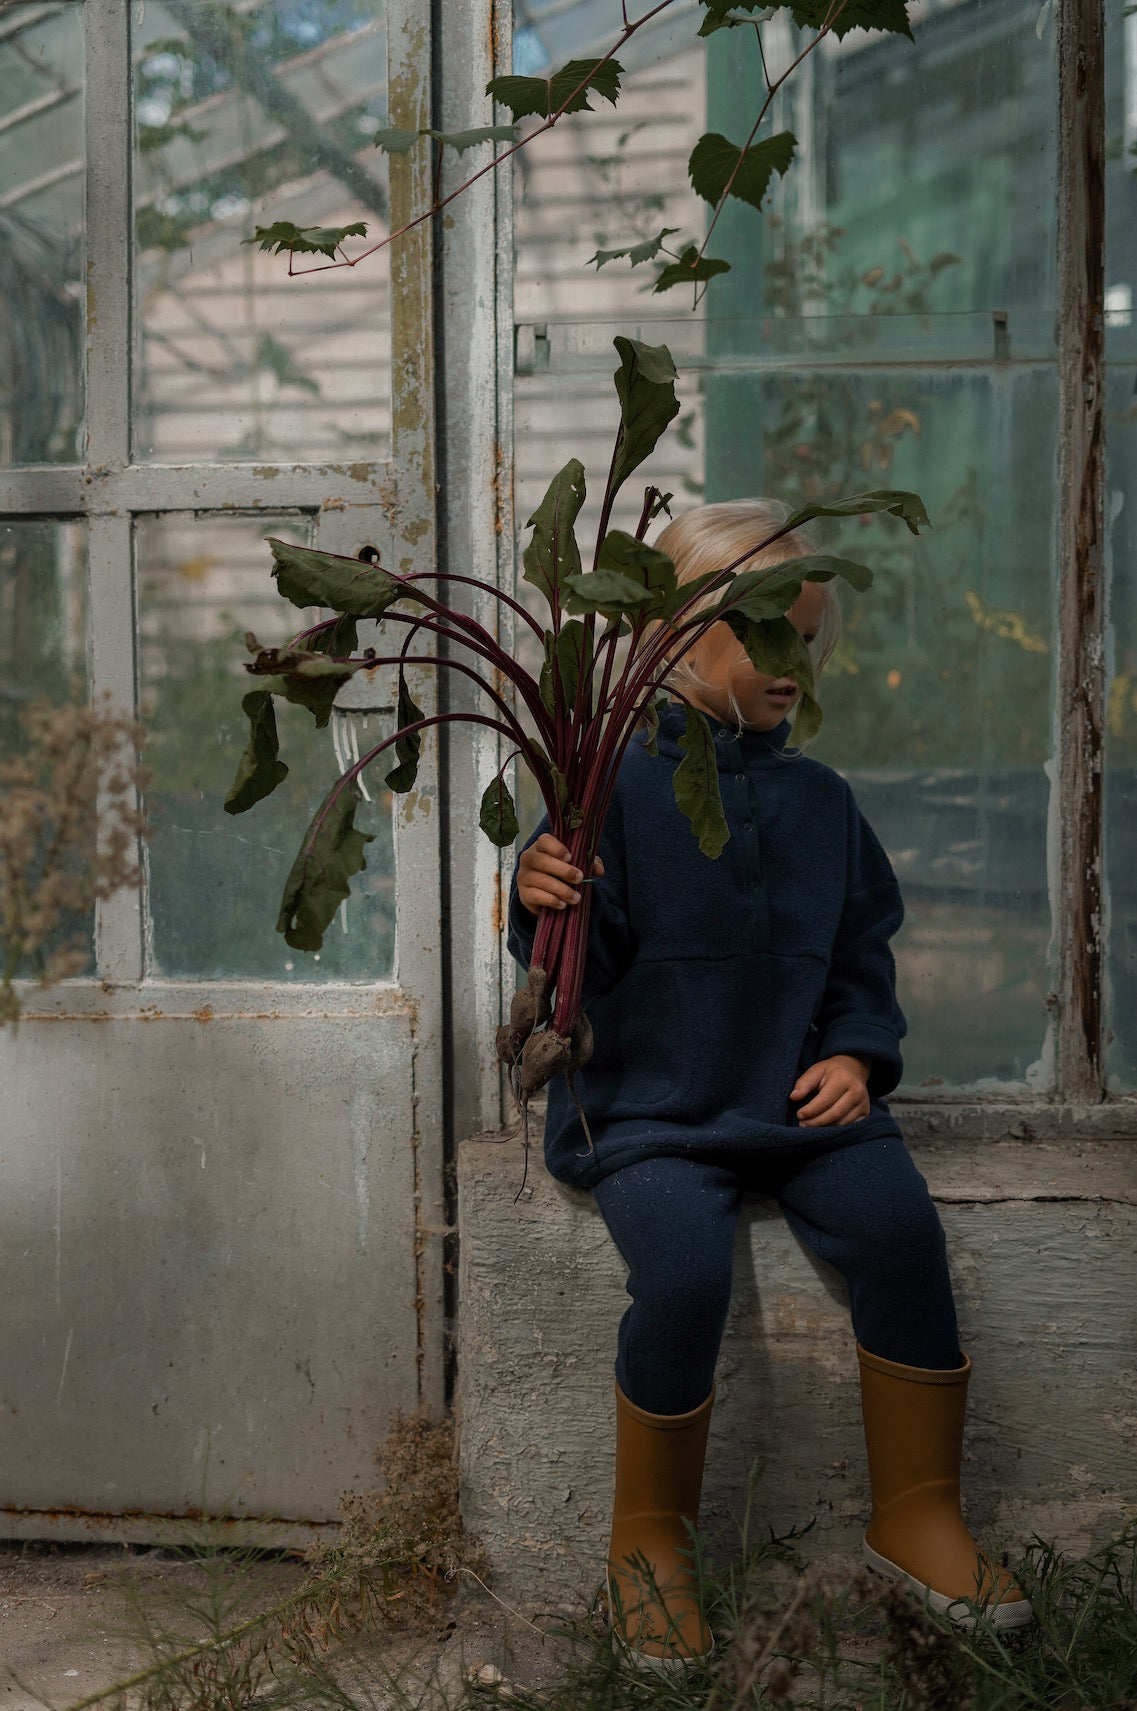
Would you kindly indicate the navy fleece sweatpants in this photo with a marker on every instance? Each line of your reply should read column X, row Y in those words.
column 864, row 1208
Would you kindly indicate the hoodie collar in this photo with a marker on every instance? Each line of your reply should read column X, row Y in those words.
column 734, row 749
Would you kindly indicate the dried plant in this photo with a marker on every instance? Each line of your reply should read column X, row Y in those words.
column 223, row 1642
column 69, row 829
column 931, row 1661
column 402, row 1546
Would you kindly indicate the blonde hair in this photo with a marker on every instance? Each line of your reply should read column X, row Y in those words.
column 714, row 536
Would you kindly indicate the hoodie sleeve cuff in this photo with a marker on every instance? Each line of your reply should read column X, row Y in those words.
column 522, row 929
column 855, row 1036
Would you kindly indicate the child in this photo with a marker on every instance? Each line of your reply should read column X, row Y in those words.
column 747, row 1033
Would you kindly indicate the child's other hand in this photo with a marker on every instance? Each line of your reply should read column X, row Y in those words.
column 546, row 877
column 839, row 1087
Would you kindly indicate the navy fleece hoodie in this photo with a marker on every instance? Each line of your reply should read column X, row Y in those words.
column 711, row 985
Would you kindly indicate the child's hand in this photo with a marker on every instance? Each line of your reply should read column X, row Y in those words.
column 839, row 1086
column 546, row 877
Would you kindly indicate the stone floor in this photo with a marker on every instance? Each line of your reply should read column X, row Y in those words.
column 69, row 1629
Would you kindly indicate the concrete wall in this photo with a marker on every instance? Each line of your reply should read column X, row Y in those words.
column 1041, row 1235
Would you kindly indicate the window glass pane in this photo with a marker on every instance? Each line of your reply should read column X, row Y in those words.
column 880, row 166
column 215, row 880
column 937, row 704
column 43, row 627
column 245, row 117
column 42, row 157
column 608, row 179
column 1121, row 522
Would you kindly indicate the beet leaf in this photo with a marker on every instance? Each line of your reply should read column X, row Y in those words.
column 908, row 506
column 308, row 678
column 553, row 555
column 320, row 877
column 311, row 578
column 645, row 385
column 697, row 785
column 408, row 742
column 498, row 815
column 568, row 656
column 260, row 769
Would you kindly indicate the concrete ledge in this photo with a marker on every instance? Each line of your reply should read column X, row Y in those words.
column 1042, row 1240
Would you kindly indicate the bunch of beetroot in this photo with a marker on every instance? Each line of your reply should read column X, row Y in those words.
column 613, row 634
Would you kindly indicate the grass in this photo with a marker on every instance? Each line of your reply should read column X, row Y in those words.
column 361, row 1624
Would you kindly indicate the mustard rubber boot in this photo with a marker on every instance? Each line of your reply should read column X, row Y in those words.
column 651, row 1582
column 914, row 1436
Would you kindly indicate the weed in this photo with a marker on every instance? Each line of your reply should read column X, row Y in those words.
column 400, row 1547
column 820, row 1636
column 69, row 830
column 226, row 1639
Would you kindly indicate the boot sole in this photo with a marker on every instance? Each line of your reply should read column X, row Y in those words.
column 1007, row 1616
column 677, row 1668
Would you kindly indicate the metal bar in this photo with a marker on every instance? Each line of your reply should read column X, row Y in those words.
column 33, row 186
column 233, row 487
column 42, row 104
column 111, row 632
column 471, row 462
column 1080, row 626
column 30, row 16
column 109, row 164
column 504, row 521
column 418, row 946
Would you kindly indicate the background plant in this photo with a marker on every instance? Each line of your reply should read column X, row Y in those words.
column 719, row 168
column 69, row 825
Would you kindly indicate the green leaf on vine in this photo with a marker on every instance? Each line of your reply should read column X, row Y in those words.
column 718, row 167
column 463, row 140
column 276, row 359
column 284, row 238
column 760, row 12
column 645, row 382
column 396, row 140
column 721, row 15
column 320, row 877
column 553, row 555
column 889, row 15
column 645, row 251
column 260, row 769
column 498, row 816
column 696, row 785
column 895, row 502
column 308, row 577
column 691, row 269
column 408, row 744
column 567, row 89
